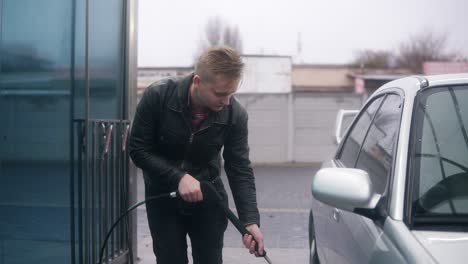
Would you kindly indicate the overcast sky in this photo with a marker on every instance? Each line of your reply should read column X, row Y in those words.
column 331, row 30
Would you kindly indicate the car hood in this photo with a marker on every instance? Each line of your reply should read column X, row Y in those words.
column 445, row 247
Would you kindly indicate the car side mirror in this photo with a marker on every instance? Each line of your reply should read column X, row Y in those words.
column 344, row 118
column 346, row 189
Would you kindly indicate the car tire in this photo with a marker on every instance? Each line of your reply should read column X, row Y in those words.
column 313, row 255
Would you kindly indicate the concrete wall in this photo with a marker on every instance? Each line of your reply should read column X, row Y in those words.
column 268, row 126
column 314, row 122
column 294, row 127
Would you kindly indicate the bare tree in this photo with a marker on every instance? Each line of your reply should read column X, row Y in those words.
column 219, row 32
column 374, row 59
column 426, row 46
column 214, row 31
column 232, row 38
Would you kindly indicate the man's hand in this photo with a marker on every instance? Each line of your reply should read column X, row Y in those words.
column 250, row 243
column 189, row 189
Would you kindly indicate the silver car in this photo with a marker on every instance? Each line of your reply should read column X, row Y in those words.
column 396, row 190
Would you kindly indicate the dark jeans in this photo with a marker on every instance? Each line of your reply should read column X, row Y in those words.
column 170, row 220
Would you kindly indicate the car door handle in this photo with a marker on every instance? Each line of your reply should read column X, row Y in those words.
column 336, row 214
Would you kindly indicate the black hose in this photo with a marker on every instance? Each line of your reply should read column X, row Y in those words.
column 104, row 245
column 209, row 194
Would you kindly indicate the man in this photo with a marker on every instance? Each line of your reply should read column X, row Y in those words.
column 178, row 131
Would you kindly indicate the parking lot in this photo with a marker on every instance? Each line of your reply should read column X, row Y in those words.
column 283, row 194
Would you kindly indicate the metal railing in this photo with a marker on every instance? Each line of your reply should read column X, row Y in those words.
column 102, row 189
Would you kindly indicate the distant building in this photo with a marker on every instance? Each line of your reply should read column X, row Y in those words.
column 432, row 67
column 148, row 75
column 322, row 78
column 367, row 81
column 292, row 108
column 262, row 74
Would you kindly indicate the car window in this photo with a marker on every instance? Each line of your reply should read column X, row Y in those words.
column 440, row 154
column 352, row 144
column 376, row 156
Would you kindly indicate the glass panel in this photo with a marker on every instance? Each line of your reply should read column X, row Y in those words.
column 441, row 164
column 353, row 142
column 35, row 46
column 377, row 152
column 106, row 59
column 42, row 88
column 347, row 121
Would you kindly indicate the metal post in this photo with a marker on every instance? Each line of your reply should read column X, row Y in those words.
column 291, row 124
column 112, row 192
column 130, row 104
column 117, row 178
column 72, row 134
column 94, row 159
column 80, row 133
column 125, row 189
column 87, row 115
column 106, row 201
column 101, row 232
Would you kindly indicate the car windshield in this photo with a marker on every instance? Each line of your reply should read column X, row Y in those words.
column 440, row 156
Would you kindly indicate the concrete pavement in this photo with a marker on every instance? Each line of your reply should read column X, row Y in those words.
column 283, row 195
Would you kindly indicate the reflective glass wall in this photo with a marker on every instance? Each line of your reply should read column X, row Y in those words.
column 42, row 92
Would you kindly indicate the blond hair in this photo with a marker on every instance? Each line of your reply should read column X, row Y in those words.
column 219, row 60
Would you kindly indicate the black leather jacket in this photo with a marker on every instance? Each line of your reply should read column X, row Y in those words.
column 162, row 144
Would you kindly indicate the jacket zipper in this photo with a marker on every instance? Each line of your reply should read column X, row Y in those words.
column 187, row 150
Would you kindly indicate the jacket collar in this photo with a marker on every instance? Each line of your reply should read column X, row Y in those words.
column 180, row 104
column 182, row 88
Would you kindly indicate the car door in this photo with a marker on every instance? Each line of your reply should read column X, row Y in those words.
column 329, row 233
column 363, row 240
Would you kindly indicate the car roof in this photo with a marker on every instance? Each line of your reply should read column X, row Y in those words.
column 417, row 82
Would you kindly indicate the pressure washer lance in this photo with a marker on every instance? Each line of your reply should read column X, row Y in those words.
column 209, row 193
